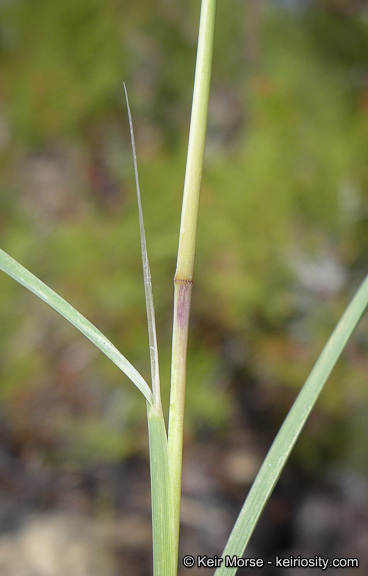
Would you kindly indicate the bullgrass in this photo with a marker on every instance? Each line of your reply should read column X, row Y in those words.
column 165, row 444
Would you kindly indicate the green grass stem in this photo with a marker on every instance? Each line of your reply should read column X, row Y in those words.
column 185, row 261
column 165, row 450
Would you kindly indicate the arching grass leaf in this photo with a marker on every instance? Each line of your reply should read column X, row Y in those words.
column 290, row 430
column 27, row 279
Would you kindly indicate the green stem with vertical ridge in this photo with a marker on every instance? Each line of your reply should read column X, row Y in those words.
column 185, row 262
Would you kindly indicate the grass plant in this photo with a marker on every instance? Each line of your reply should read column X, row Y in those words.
column 166, row 444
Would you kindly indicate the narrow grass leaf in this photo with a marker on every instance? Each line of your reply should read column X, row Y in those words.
column 27, row 279
column 152, row 337
column 163, row 553
column 290, row 430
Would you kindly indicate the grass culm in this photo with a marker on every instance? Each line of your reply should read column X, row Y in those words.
column 166, row 439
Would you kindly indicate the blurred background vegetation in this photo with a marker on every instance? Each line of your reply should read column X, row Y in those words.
column 283, row 218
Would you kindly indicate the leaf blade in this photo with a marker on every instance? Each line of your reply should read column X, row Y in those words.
column 42, row 291
column 150, row 308
column 289, row 432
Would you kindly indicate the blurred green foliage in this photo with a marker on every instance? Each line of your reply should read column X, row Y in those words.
column 283, row 222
